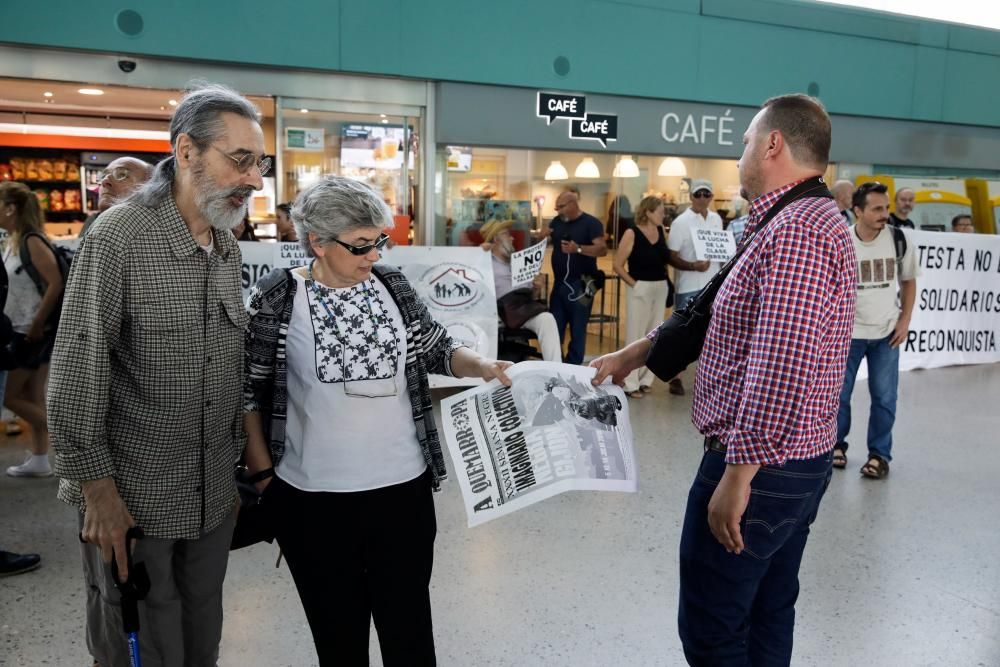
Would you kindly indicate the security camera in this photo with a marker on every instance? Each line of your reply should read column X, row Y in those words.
column 126, row 66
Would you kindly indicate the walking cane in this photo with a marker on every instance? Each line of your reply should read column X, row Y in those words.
column 132, row 591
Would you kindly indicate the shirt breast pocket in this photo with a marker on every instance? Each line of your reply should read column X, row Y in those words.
column 167, row 346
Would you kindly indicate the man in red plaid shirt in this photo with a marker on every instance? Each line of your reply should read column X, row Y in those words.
column 766, row 397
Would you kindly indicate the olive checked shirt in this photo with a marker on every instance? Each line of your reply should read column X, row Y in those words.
column 146, row 377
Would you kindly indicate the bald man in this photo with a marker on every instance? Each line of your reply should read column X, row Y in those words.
column 900, row 217
column 843, row 192
column 577, row 240
column 118, row 180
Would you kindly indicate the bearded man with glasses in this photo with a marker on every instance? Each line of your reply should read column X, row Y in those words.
column 145, row 393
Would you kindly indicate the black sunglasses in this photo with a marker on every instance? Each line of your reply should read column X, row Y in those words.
column 702, row 194
column 359, row 250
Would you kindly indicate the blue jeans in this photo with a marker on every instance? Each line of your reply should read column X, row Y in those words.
column 681, row 300
column 567, row 311
column 883, row 382
column 740, row 610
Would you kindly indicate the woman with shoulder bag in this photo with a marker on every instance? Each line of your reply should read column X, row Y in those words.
column 337, row 401
column 29, row 306
column 644, row 247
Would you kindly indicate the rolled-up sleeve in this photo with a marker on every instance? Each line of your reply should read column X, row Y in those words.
column 79, row 377
column 437, row 345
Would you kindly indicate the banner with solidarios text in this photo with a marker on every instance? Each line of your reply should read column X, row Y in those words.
column 956, row 319
column 551, row 431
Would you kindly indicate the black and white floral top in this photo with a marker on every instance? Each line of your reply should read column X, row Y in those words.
column 428, row 349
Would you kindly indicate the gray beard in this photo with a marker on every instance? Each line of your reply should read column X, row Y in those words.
column 214, row 204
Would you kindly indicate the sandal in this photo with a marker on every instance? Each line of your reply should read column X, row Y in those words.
column 645, row 388
column 875, row 468
column 635, row 394
column 839, row 458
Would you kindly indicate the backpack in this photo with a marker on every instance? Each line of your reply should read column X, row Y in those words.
column 899, row 241
column 6, row 328
column 64, row 258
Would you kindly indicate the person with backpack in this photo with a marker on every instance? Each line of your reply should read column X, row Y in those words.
column 886, row 263
column 37, row 276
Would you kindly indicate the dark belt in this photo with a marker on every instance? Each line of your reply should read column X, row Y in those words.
column 716, row 445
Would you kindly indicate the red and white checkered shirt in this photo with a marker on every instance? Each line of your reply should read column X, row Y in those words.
column 770, row 373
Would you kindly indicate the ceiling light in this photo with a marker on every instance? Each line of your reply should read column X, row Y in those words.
column 172, row 103
column 587, row 169
column 384, row 120
column 304, row 110
column 47, row 94
column 626, row 168
column 556, row 172
column 381, row 115
column 90, row 91
column 672, row 166
column 74, row 131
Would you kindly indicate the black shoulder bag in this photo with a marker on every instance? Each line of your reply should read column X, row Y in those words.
column 680, row 338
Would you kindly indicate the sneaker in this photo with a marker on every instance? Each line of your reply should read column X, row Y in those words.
column 13, row 428
column 33, row 466
column 11, row 563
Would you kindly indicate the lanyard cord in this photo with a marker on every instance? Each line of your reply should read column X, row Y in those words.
column 332, row 317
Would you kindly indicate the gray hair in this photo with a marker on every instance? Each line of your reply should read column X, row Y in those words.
column 336, row 205
column 199, row 115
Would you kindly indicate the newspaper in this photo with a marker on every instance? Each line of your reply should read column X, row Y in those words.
column 551, row 431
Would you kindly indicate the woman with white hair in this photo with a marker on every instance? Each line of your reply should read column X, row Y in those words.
column 338, row 405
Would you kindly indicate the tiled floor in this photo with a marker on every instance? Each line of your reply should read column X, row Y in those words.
column 901, row 572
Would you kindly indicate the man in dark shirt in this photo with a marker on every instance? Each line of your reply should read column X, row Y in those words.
column 904, row 204
column 577, row 240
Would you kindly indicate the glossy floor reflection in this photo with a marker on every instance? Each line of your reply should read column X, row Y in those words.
column 898, row 572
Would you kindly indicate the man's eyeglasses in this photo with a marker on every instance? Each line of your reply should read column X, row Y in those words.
column 118, row 174
column 359, row 250
column 702, row 194
column 246, row 161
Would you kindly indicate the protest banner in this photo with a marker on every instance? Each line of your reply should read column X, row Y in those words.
column 526, row 264
column 456, row 285
column 956, row 318
column 258, row 260
column 716, row 245
column 552, row 431
column 290, row 254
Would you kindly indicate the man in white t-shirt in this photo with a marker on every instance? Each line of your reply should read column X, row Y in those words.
column 691, row 273
column 887, row 261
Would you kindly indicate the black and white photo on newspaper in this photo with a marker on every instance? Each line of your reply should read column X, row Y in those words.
column 551, row 431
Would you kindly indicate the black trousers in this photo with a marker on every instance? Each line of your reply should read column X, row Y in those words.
column 358, row 556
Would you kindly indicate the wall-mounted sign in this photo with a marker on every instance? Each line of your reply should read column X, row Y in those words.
column 582, row 125
column 304, row 138
column 559, row 105
column 698, row 128
column 599, row 127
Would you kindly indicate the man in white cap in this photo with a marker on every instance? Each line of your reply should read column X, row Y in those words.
column 691, row 274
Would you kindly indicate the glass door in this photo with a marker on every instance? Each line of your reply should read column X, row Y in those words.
column 380, row 149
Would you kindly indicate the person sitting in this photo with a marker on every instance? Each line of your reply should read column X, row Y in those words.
column 498, row 240
column 337, row 401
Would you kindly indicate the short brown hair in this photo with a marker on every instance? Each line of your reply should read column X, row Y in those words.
column 804, row 124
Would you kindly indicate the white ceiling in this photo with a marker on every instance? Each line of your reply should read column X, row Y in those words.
column 25, row 95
